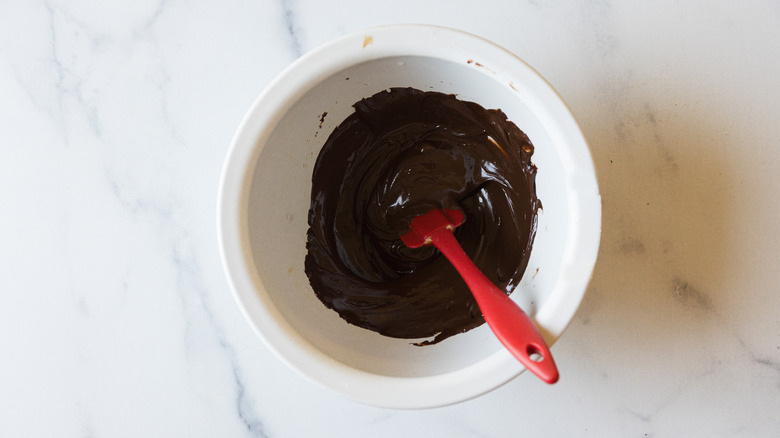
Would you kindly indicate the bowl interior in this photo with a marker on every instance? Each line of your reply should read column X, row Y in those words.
column 278, row 197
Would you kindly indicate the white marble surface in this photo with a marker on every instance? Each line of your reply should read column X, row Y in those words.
column 115, row 314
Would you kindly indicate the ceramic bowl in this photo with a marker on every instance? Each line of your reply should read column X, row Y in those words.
column 265, row 195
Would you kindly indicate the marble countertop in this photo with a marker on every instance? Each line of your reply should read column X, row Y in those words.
column 115, row 315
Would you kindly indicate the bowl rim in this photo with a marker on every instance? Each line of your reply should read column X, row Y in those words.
column 583, row 201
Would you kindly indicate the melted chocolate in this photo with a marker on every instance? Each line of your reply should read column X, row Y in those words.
column 402, row 153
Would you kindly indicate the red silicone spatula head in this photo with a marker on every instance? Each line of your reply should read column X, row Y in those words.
column 422, row 227
column 510, row 324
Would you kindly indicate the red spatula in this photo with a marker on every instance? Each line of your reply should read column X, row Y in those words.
column 510, row 324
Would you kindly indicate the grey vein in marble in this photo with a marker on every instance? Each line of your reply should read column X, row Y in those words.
column 193, row 295
column 291, row 26
column 54, row 55
column 65, row 83
column 147, row 26
column 190, row 282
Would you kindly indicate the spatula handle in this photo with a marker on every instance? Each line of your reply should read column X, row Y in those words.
column 513, row 327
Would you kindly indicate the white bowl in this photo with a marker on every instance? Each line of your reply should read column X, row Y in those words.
column 265, row 195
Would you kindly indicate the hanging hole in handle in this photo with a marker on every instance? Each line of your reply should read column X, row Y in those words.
column 535, row 353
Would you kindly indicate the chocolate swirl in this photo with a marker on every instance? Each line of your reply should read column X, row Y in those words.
column 402, row 153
